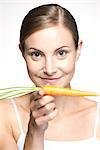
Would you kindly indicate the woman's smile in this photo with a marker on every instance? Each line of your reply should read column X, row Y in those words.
column 51, row 80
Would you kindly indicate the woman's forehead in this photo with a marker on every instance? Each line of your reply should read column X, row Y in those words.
column 52, row 36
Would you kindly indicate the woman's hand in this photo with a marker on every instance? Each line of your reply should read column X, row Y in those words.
column 43, row 109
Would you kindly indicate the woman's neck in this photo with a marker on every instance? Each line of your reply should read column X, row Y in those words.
column 70, row 105
column 66, row 104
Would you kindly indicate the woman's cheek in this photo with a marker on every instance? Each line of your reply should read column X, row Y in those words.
column 67, row 66
column 30, row 62
column 32, row 68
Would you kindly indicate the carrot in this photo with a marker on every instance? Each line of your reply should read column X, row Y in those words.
column 48, row 90
column 58, row 91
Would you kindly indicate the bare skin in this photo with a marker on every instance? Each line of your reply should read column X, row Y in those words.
column 82, row 114
column 42, row 116
column 33, row 126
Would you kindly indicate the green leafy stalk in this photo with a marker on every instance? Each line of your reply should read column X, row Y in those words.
column 16, row 91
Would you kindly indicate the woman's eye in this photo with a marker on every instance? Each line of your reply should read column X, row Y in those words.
column 62, row 53
column 36, row 55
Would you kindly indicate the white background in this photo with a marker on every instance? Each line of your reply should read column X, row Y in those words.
column 12, row 66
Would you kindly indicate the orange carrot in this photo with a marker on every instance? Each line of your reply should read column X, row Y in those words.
column 48, row 90
column 58, row 91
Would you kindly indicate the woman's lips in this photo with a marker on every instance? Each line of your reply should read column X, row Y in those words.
column 50, row 80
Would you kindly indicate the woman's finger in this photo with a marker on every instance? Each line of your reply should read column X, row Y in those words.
column 44, row 110
column 44, row 119
column 37, row 95
column 44, row 101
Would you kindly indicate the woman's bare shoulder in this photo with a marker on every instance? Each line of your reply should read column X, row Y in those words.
column 98, row 128
column 5, row 108
column 5, row 112
column 5, row 125
column 7, row 140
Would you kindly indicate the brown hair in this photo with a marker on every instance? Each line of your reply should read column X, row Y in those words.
column 45, row 16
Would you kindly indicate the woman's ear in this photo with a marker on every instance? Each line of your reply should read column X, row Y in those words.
column 21, row 49
column 80, row 43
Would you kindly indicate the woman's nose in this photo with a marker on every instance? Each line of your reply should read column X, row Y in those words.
column 50, row 67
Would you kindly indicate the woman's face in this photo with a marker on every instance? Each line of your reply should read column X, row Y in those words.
column 50, row 56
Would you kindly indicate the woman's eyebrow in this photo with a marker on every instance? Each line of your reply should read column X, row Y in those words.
column 62, row 47
column 33, row 48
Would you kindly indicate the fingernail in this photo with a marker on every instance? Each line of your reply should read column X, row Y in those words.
column 41, row 92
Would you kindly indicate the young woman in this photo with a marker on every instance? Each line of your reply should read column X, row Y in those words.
column 50, row 45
